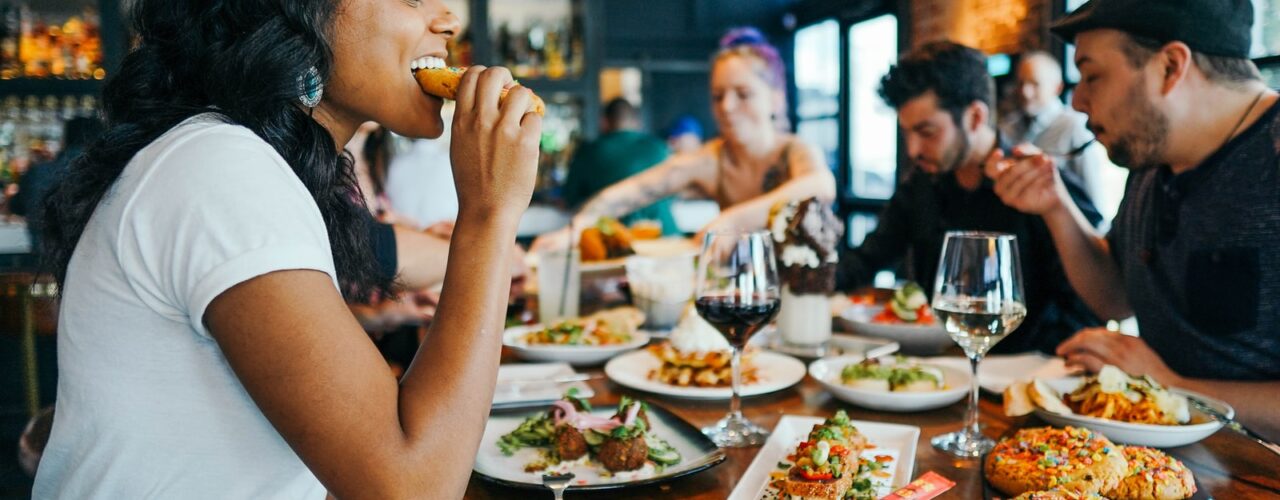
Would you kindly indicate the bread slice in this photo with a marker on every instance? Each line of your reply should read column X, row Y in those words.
column 1016, row 400
column 443, row 83
column 833, row 489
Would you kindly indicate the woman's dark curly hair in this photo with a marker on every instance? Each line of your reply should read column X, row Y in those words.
column 238, row 59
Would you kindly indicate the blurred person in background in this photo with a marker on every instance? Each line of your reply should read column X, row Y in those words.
column 1043, row 121
column 621, row 151
column 684, row 135
column 754, row 164
column 944, row 97
column 34, row 186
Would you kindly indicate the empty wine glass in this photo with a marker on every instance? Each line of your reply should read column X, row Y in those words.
column 978, row 297
column 738, row 294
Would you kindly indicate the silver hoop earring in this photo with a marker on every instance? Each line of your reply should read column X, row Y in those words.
column 310, row 88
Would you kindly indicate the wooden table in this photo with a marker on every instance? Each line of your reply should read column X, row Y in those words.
column 1226, row 465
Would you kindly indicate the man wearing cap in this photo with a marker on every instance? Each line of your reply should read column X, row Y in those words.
column 1194, row 252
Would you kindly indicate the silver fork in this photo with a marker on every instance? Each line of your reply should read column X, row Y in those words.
column 558, row 483
column 1232, row 424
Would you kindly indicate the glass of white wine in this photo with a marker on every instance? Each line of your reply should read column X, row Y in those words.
column 979, row 299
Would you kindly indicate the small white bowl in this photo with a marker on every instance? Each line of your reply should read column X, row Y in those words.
column 915, row 339
column 576, row 355
column 1158, row 436
column 827, row 372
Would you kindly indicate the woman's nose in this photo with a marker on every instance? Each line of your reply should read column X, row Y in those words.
column 446, row 24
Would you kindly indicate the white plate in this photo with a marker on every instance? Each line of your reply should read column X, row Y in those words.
column 914, row 339
column 827, row 372
column 509, row 394
column 666, row 247
column 774, row 372
column 898, row 441
column 840, row 345
column 661, row 247
column 577, row 355
column 697, row 453
column 1158, row 436
column 998, row 371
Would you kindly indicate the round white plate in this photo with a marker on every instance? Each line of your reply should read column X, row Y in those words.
column 827, row 372
column 573, row 354
column 1159, row 436
column 774, row 372
column 666, row 247
column 914, row 339
column 662, row 247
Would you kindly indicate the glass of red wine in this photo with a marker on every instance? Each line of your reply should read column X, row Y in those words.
column 738, row 294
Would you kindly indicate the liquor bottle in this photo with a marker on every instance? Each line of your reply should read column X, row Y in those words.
column 556, row 67
column 88, row 106
column 51, row 127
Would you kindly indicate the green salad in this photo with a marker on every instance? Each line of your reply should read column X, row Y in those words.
column 900, row 375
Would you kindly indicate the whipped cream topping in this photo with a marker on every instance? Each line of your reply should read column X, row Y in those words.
column 778, row 226
column 694, row 335
column 796, row 255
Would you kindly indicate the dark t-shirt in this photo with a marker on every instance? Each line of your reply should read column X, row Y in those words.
column 1200, row 257
column 612, row 158
column 914, row 225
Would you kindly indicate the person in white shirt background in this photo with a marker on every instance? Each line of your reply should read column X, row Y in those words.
column 1044, row 121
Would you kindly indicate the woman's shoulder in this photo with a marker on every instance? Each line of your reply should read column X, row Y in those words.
column 208, row 129
column 208, row 142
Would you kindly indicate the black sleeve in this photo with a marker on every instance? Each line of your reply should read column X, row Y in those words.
column 383, row 238
column 1075, row 188
column 883, row 247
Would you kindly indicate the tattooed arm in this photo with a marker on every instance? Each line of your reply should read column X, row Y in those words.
column 672, row 176
column 810, row 177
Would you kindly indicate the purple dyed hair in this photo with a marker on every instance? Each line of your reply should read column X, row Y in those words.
column 748, row 42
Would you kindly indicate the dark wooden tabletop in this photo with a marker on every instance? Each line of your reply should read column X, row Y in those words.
column 1226, row 465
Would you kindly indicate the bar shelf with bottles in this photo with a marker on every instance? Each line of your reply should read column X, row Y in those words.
column 41, row 45
column 31, row 129
column 548, row 46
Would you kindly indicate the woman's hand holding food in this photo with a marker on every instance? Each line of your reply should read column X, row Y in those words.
column 494, row 147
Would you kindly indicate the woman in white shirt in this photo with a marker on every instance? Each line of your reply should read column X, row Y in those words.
column 206, row 243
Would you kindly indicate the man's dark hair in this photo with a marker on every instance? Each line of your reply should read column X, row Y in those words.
column 1223, row 70
column 619, row 111
column 955, row 73
column 80, row 131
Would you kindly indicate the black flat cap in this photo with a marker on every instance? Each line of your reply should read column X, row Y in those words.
column 1213, row 27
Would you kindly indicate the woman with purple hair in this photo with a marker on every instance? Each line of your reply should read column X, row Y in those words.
column 755, row 163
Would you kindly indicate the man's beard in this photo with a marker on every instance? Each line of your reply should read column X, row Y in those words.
column 959, row 152
column 1145, row 142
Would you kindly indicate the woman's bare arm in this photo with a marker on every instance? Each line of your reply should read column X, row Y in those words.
column 319, row 380
column 674, row 175
column 670, row 177
column 810, row 177
column 420, row 258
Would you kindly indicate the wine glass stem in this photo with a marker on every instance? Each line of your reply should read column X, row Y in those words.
column 735, row 403
column 971, row 416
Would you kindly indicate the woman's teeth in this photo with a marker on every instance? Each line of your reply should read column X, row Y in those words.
column 427, row 62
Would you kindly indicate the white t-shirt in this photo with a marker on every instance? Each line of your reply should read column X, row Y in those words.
column 147, row 406
column 420, row 182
